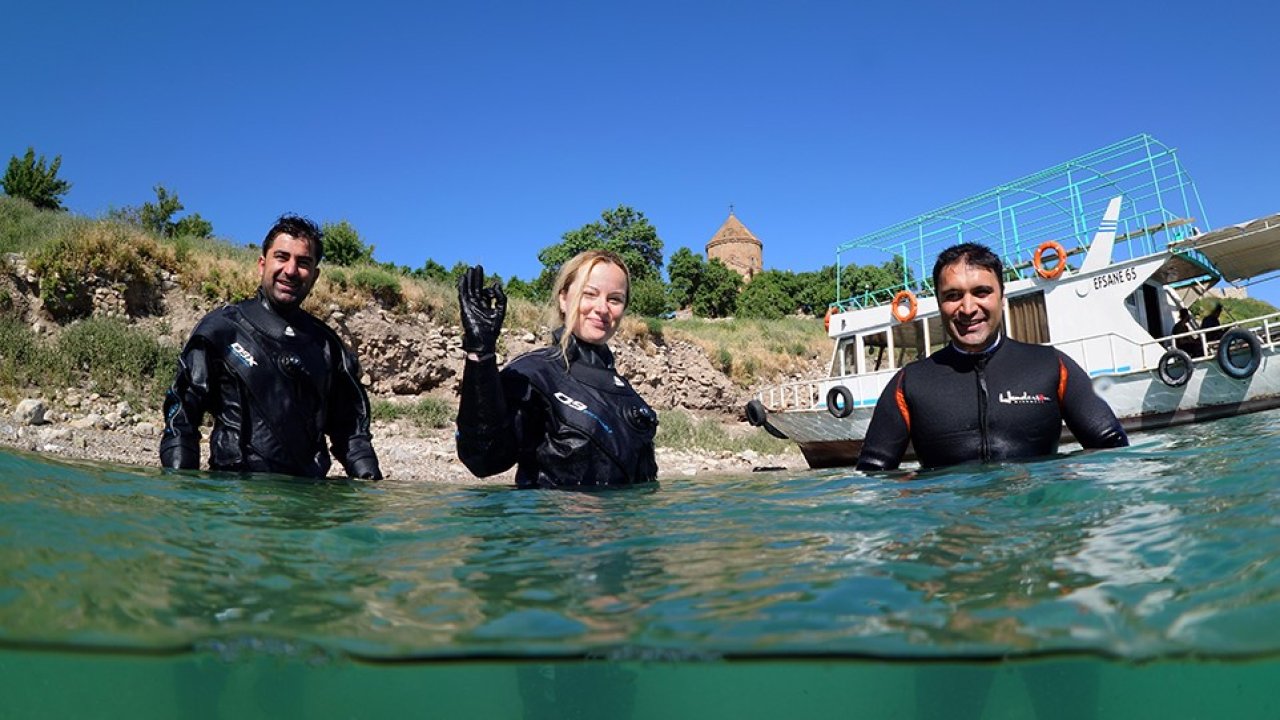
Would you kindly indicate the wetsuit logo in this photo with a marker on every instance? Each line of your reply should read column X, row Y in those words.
column 575, row 404
column 582, row 408
column 244, row 356
column 1008, row 398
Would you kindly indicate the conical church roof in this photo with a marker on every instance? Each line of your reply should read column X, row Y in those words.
column 732, row 231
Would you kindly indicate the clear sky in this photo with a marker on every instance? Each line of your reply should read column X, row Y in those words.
column 482, row 131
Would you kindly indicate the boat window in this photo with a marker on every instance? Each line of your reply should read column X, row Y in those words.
column 908, row 342
column 1027, row 319
column 877, row 346
column 845, row 361
column 938, row 338
column 1154, row 313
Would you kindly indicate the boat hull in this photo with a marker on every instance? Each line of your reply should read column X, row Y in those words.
column 1141, row 401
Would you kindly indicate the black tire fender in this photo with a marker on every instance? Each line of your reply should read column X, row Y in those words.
column 1168, row 361
column 1228, row 364
column 756, row 413
column 840, row 402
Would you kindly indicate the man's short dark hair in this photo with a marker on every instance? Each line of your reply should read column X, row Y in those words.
column 299, row 227
column 972, row 254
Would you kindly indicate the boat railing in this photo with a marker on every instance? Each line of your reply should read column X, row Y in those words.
column 1110, row 353
column 1105, row 354
column 1264, row 327
column 811, row 394
column 788, row 397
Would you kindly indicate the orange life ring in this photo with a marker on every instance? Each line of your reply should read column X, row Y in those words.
column 912, row 306
column 826, row 321
column 1038, row 260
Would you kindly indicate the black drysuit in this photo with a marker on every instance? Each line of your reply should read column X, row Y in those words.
column 583, row 426
column 1006, row 403
column 275, row 387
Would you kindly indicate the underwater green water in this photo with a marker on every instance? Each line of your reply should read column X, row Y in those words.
column 1133, row 583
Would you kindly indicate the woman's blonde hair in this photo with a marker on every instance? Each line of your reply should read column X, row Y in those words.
column 580, row 266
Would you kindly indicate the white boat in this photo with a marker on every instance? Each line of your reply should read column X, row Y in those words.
column 1109, row 301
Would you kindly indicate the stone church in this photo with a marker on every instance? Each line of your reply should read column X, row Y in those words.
column 735, row 246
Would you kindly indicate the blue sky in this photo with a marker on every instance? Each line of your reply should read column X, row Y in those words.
column 482, row 131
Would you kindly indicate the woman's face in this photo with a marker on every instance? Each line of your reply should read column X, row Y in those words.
column 604, row 299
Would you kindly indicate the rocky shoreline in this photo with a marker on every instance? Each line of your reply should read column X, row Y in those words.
column 403, row 356
column 101, row 430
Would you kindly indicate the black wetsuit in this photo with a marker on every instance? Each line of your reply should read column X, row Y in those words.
column 1003, row 404
column 276, row 388
column 580, row 427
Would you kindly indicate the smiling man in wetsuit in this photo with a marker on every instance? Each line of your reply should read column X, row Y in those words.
column 276, row 379
column 984, row 397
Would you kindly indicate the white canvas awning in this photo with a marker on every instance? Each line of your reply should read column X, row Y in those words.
column 1240, row 251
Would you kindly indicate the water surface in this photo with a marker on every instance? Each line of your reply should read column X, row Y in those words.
column 1080, row 585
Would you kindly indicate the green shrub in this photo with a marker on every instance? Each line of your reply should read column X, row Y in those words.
column 648, row 298
column 343, row 246
column 679, row 430
column 724, row 360
column 382, row 285
column 24, row 227
column 225, row 281
column 116, row 358
column 24, row 360
column 429, row 412
column 654, row 326
column 108, row 251
column 181, row 249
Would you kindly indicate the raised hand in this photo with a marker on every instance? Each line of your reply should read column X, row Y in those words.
column 483, row 309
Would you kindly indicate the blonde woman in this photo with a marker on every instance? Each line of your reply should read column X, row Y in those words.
column 561, row 414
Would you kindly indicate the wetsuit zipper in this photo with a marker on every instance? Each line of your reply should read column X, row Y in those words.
column 981, row 371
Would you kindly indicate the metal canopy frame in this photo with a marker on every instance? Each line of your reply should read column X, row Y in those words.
column 1063, row 203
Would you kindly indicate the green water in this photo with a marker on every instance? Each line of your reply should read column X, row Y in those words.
column 1135, row 583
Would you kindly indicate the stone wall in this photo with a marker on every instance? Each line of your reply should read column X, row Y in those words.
column 404, row 355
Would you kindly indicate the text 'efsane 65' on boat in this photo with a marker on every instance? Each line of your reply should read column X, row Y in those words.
column 1104, row 254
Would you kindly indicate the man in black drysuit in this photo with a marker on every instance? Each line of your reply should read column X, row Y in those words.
column 276, row 379
column 984, row 397
column 987, row 398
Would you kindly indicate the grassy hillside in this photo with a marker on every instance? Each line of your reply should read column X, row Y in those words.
column 70, row 256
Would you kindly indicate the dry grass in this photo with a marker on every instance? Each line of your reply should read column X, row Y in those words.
column 64, row 252
column 751, row 351
column 218, row 277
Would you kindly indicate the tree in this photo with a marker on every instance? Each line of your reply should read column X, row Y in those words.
column 31, row 180
column 517, row 288
column 648, row 297
column 622, row 230
column 767, row 296
column 431, row 270
column 856, row 280
column 717, row 294
column 343, row 246
column 815, row 290
column 457, row 271
column 157, row 217
column 193, row 226
column 685, row 270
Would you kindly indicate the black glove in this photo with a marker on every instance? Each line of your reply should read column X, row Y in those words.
column 366, row 469
column 483, row 309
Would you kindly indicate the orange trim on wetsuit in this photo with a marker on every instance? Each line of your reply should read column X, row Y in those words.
column 901, row 396
column 1008, row 403
column 1062, row 381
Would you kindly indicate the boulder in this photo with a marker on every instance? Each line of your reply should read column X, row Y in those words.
column 31, row 411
